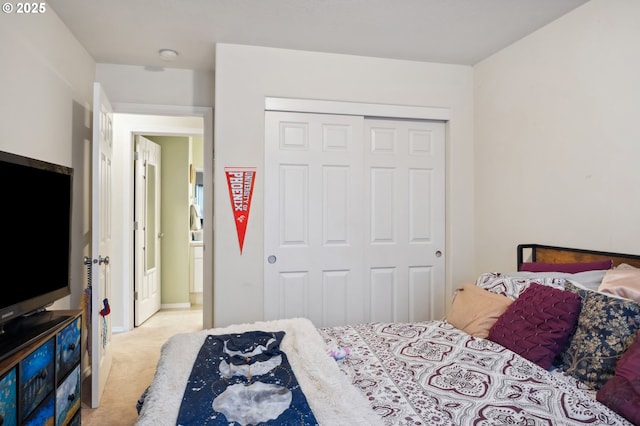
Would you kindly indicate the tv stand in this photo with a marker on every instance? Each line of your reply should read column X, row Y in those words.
column 41, row 380
column 21, row 331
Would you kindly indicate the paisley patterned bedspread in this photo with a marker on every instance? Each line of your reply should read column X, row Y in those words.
column 430, row 373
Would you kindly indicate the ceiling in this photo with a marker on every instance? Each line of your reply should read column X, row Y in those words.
column 445, row 31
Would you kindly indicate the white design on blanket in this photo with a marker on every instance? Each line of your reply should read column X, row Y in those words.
column 251, row 403
column 254, row 403
column 256, row 369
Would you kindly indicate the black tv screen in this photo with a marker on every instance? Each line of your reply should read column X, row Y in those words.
column 35, row 237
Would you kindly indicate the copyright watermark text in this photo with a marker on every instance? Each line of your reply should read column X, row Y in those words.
column 24, row 8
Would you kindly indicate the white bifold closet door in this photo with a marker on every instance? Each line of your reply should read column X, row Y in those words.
column 354, row 218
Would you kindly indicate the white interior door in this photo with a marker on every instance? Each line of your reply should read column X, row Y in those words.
column 405, row 219
column 101, row 194
column 354, row 218
column 147, row 234
column 314, row 228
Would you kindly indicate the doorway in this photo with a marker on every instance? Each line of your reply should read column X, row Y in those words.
column 179, row 230
column 130, row 120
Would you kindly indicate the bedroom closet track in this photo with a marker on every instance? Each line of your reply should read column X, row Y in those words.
column 354, row 218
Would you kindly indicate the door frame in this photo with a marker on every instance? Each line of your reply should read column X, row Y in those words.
column 206, row 114
column 356, row 108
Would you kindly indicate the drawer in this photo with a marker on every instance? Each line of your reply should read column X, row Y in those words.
column 76, row 420
column 9, row 398
column 43, row 414
column 36, row 377
column 68, row 348
column 68, row 398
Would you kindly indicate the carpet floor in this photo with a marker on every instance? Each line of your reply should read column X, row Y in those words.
column 135, row 355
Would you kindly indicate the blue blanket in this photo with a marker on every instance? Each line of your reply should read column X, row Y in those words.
column 243, row 379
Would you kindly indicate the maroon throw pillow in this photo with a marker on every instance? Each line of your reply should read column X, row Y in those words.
column 538, row 324
column 628, row 366
column 570, row 268
column 618, row 394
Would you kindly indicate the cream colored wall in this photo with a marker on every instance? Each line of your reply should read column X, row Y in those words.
column 46, row 86
column 245, row 75
column 197, row 155
column 557, row 141
column 174, row 219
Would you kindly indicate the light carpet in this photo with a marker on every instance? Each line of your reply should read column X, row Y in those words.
column 135, row 356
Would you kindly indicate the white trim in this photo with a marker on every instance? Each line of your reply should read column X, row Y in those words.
column 174, row 110
column 356, row 108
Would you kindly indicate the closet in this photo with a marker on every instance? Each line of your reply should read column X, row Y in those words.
column 354, row 218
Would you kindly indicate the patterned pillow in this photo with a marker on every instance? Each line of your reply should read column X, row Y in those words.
column 512, row 287
column 588, row 279
column 537, row 325
column 607, row 326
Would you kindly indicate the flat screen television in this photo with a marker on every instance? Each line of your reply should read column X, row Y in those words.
column 35, row 237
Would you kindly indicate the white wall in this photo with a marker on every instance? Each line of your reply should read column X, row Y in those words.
column 245, row 75
column 46, row 86
column 157, row 86
column 557, row 140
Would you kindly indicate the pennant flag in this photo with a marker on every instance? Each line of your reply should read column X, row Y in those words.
column 240, row 182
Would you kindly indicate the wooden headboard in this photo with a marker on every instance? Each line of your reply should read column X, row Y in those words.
column 551, row 254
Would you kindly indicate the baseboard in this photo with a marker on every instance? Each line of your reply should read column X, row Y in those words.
column 175, row 306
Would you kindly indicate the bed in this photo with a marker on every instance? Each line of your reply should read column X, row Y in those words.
column 553, row 343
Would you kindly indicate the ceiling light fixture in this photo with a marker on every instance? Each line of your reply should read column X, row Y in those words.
column 168, row 54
